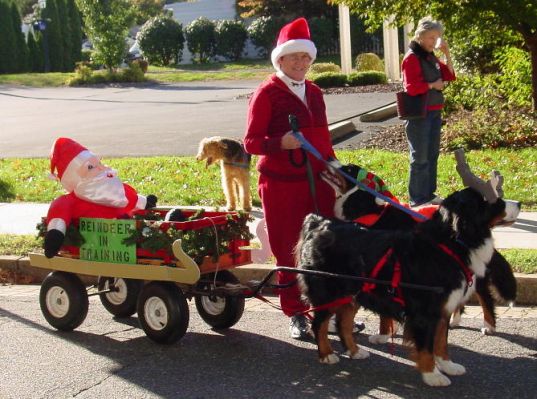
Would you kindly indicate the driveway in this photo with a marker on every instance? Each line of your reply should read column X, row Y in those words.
column 146, row 120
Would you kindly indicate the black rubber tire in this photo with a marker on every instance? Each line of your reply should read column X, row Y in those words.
column 163, row 312
column 63, row 300
column 219, row 312
column 121, row 303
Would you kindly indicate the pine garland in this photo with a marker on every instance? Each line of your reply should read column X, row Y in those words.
column 212, row 241
column 154, row 234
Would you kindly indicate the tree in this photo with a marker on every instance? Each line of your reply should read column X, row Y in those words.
column 36, row 62
column 147, row 9
column 106, row 24
column 161, row 40
column 53, row 35
column 7, row 40
column 21, row 49
column 68, row 63
column 75, row 23
column 517, row 16
column 263, row 33
column 200, row 36
column 230, row 39
column 285, row 8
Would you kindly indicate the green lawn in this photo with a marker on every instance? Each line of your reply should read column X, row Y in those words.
column 184, row 181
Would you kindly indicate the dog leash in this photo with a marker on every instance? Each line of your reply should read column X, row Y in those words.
column 293, row 122
column 306, row 145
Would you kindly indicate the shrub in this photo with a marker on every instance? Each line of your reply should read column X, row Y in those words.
column 84, row 75
column 514, row 80
column 86, row 55
column 83, row 71
column 472, row 92
column 322, row 33
column 324, row 67
column 143, row 64
column 369, row 62
column 230, row 39
column 490, row 128
column 161, row 40
column 263, row 32
column 200, row 36
column 366, row 78
column 510, row 87
column 133, row 73
column 330, row 79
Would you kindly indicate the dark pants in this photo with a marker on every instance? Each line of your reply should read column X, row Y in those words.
column 423, row 137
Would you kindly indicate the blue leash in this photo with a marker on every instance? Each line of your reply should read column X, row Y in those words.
column 306, row 145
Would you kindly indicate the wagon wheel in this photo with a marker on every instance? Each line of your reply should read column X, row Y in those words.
column 163, row 312
column 123, row 295
column 63, row 300
column 219, row 311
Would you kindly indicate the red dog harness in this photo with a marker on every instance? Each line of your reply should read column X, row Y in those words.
column 396, row 277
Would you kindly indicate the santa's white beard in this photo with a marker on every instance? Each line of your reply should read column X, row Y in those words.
column 104, row 189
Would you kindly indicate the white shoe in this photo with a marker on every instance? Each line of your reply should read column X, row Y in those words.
column 299, row 328
column 332, row 328
column 436, row 200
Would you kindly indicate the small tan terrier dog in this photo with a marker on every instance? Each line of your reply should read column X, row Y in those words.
column 235, row 167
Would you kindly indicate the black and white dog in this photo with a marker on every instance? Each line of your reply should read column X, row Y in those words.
column 355, row 204
column 447, row 252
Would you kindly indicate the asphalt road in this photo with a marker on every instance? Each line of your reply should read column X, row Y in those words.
column 139, row 121
column 108, row 358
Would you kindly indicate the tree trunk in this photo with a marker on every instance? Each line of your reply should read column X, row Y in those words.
column 531, row 42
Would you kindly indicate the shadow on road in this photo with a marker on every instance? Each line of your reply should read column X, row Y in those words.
column 242, row 364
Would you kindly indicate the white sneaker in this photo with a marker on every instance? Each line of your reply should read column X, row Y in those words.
column 436, row 200
column 299, row 328
column 332, row 328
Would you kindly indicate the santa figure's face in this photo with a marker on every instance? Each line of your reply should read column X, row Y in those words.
column 100, row 184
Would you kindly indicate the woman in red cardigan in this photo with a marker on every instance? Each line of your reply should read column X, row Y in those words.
column 283, row 185
column 424, row 73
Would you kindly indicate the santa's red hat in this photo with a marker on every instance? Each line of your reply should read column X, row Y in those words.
column 66, row 158
column 293, row 38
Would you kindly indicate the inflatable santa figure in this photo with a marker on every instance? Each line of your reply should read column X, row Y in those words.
column 93, row 190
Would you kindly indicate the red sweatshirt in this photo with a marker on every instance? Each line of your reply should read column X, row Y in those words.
column 413, row 78
column 268, row 121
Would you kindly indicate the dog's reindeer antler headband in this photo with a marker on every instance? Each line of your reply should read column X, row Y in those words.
column 491, row 189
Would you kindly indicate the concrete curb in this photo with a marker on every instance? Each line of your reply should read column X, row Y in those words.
column 527, row 283
column 341, row 129
column 387, row 112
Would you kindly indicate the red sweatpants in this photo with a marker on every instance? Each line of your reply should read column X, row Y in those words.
column 285, row 205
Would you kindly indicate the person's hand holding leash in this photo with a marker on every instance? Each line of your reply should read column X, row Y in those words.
column 290, row 142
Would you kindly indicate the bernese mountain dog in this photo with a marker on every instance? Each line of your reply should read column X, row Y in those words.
column 418, row 277
column 358, row 205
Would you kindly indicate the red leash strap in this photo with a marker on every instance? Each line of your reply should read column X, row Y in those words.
column 337, row 302
column 369, row 287
column 468, row 274
column 396, row 277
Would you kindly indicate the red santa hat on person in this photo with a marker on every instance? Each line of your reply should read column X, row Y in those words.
column 293, row 38
column 66, row 158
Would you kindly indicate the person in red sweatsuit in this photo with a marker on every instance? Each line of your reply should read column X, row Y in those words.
column 283, row 185
column 423, row 73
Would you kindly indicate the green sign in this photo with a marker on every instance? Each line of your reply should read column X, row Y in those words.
column 104, row 240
